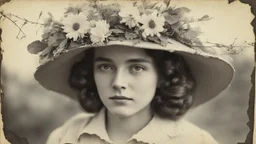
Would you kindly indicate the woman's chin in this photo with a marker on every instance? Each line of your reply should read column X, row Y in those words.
column 120, row 112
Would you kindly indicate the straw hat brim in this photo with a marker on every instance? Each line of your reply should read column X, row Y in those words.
column 212, row 73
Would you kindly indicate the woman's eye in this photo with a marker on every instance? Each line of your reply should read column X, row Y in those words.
column 105, row 67
column 137, row 69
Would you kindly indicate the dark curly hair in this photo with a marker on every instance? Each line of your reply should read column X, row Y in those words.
column 173, row 97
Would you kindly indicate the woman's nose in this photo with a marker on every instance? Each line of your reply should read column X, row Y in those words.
column 119, row 82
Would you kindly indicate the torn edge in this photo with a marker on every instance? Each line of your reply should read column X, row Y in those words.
column 250, row 110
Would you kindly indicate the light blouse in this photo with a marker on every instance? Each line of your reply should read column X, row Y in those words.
column 91, row 129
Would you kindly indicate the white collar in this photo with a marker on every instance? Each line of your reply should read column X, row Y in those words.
column 158, row 127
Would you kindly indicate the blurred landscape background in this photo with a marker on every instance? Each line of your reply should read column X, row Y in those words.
column 32, row 112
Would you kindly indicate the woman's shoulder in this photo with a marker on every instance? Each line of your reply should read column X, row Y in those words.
column 192, row 133
column 72, row 124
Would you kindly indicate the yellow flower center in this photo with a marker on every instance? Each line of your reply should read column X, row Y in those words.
column 151, row 24
column 76, row 26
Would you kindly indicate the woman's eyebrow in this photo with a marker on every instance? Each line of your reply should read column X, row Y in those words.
column 138, row 60
column 135, row 60
column 98, row 59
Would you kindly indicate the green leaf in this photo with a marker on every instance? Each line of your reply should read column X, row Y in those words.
column 121, row 27
column 154, row 39
column 50, row 14
column 176, row 27
column 56, row 30
column 144, row 2
column 111, row 38
column 135, row 3
column 107, row 11
column 151, row 6
column 117, row 31
column 63, row 43
column 36, row 47
column 174, row 16
column 192, row 35
column 204, row 18
column 43, row 60
column 137, row 30
column 56, row 39
column 45, row 35
column 171, row 19
column 230, row 1
column 198, row 42
column 40, row 15
column 74, row 45
column 167, row 2
column 113, row 19
column 130, row 36
column 57, row 24
column 47, row 50
column 178, row 12
column 181, row 10
column 164, row 41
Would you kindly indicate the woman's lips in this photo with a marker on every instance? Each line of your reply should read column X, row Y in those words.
column 120, row 98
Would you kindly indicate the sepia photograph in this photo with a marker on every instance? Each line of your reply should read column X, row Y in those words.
column 126, row 72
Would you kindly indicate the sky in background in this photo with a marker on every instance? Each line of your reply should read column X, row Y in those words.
column 229, row 21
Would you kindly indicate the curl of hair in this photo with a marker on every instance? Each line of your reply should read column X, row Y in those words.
column 81, row 78
column 173, row 97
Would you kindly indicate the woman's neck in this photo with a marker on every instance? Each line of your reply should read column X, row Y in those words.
column 120, row 129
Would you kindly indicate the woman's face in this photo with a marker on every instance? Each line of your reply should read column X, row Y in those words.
column 126, row 79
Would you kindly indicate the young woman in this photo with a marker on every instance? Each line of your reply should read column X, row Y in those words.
column 134, row 78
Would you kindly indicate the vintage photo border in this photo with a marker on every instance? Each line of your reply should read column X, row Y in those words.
column 250, row 111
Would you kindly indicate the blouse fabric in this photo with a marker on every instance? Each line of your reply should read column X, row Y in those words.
column 91, row 129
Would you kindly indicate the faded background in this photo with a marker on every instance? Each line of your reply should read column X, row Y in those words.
column 33, row 112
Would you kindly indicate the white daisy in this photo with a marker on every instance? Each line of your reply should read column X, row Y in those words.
column 152, row 24
column 76, row 26
column 100, row 32
column 130, row 16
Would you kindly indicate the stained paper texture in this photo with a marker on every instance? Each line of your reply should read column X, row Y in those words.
column 31, row 112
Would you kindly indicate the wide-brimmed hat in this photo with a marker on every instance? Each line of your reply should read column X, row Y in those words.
column 144, row 26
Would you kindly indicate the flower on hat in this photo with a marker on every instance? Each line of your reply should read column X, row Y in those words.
column 152, row 24
column 130, row 16
column 51, row 26
column 48, row 21
column 76, row 25
column 96, row 24
column 74, row 9
column 100, row 32
column 91, row 13
column 93, row 23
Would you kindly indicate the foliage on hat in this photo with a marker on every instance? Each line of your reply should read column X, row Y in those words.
column 96, row 24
